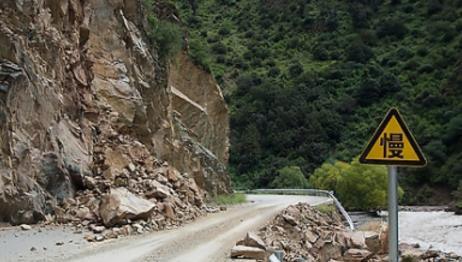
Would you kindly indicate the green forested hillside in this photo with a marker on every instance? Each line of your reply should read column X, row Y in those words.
column 308, row 81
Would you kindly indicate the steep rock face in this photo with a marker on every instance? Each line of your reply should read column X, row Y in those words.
column 198, row 103
column 77, row 80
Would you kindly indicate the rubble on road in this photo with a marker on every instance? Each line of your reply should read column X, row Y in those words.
column 135, row 193
column 303, row 233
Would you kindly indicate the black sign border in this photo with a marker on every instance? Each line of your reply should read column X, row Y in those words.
column 393, row 112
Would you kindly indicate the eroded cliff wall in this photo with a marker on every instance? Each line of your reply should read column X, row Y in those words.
column 82, row 94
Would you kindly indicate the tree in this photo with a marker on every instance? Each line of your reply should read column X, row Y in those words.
column 359, row 15
column 359, row 52
column 392, row 28
column 295, row 69
column 290, row 177
column 362, row 187
column 434, row 6
column 249, row 149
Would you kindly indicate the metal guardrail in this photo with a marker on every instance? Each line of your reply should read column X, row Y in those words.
column 309, row 192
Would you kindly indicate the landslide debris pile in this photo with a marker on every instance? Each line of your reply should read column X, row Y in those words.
column 304, row 233
column 136, row 193
column 96, row 129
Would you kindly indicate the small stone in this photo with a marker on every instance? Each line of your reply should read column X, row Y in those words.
column 59, row 243
column 89, row 238
column 99, row 238
column 248, row 253
column 33, row 249
column 290, row 219
column 25, row 227
column 353, row 255
column 138, row 228
column 310, row 236
column 131, row 167
column 252, row 240
column 97, row 229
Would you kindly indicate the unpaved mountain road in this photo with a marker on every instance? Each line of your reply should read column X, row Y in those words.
column 209, row 238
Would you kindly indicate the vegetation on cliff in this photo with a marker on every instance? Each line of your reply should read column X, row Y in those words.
column 308, row 81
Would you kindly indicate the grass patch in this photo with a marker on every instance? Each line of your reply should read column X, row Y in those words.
column 326, row 208
column 231, row 199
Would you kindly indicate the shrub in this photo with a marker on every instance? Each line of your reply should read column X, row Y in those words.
column 359, row 52
column 220, row 59
column 219, row 48
column 368, row 92
column 422, row 51
column 167, row 37
column 368, row 37
column 389, row 83
column 290, row 177
column 408, row 8
column 194, row 21
column 434, row 6
column 320, row 53
column 199, row 54
column 357, row 186
column 274, row 71
column 453, row 130
column 224, row 31
column 295, row 69
column 392, row 28
column 331, row 21
column 359, row 15
column 427, row 68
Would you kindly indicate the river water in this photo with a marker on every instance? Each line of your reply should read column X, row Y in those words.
column 437, row 230
column 440, row 230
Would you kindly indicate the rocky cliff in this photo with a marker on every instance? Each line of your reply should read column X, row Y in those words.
column 86, row 106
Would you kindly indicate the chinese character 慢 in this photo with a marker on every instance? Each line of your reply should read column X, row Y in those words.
column 392, row 145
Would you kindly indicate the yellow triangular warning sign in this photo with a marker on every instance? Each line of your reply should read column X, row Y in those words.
column 393, row 144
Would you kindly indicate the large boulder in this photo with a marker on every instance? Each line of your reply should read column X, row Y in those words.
column 120, row 205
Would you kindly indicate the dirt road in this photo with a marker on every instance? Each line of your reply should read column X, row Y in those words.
column 207, row 239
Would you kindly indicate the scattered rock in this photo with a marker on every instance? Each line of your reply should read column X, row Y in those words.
column 252, row 240
column 25, row 227
column 289, row 219
column 357, row 255
column 372, row 241
column 99, row 238
column 33, row 249
column 97, row 229
column 310, row 236
column 246, row 252
column 168, row 211
column 305, row 234
column 59, row 243
column 120, row 204
column 131, row 167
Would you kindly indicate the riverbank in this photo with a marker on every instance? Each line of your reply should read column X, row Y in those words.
column 434, row 229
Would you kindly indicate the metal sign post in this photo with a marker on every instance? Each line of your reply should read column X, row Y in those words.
column 393, row 144
column 392, row 214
